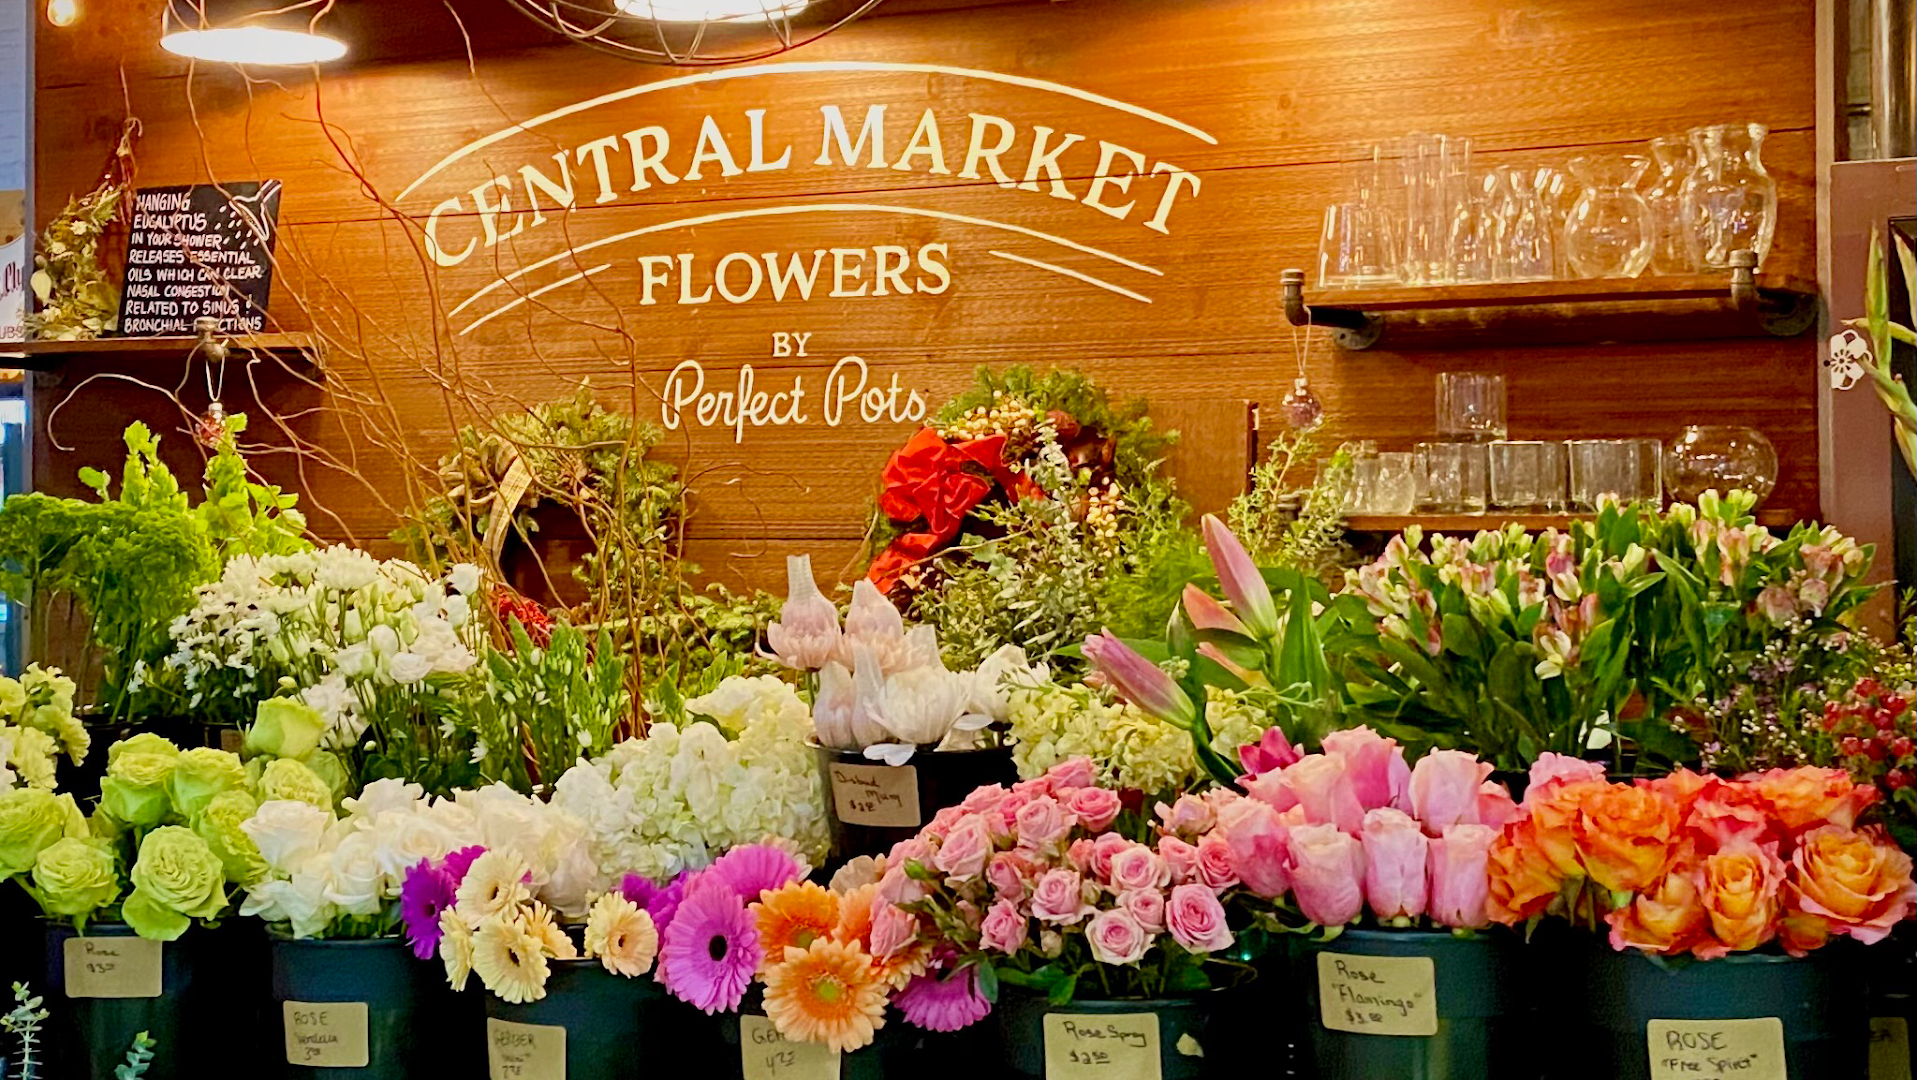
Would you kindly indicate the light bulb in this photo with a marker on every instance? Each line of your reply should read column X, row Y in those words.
column 63, row 12
column 253, row 45
column 694, row 11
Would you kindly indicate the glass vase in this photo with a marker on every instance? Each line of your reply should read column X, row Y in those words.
column 1705, row 457
column 1610, row 231
column 1730, row 200
column 1675, row 249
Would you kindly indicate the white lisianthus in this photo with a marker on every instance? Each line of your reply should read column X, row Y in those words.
column 407, row 668
column 465, row 578
column 345, row 569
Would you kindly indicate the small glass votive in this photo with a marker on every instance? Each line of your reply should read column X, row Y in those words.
column 1527, row 475
column 1452, row 477
column 1471, row 406
column 1625, row 469
column 1394, row 486
column 1360, row 497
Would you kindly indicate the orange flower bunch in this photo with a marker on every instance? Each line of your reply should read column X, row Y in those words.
column 1699, row 864
column 826, row 979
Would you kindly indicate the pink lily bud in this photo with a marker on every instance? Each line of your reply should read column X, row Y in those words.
column 1239, row 577
column 1206, row 613
column 1138, row 680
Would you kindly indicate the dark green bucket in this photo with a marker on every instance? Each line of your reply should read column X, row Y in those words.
column 1183, row 1028
column 403, row 1032
column 897, row 1049
column 88, row 1037
column 1478, row 1006
column 613, row 1025
column 1820, row 1000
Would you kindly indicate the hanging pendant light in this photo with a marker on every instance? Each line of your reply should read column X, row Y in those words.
column 711, row 11
column 252, row 32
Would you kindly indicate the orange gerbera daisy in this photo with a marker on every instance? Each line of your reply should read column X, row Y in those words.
column 794, row 915
column 827, row 993
column 855, row 928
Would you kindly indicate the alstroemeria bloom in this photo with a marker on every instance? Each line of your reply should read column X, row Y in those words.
column 1139, row 681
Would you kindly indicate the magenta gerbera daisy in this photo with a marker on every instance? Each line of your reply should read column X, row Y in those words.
column 659, row 901
column 753, row 868
column 456, row 863
column 943, row 1003
column 711, row 949
column 425, row 893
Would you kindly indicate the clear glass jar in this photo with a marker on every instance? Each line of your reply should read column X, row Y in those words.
column 1730, row 200
column 1525, row 241
column 1610, row 230
column 1722, row 457
column 1674, row 251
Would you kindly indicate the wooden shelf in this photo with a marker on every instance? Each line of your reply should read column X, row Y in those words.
column 48, row 355
column 1775, row 304
column 1494, row 519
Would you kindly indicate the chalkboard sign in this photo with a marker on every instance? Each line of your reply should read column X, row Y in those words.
column 199, row 250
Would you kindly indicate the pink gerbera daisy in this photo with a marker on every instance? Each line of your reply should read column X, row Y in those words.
column 753, row 868
column 943, row 1003
column 712, row 947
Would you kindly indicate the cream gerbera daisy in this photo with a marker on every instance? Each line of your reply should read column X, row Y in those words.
column 455, row 947
column 539, row 922
column 495, row 884
column 510, row 961
column 622, row 935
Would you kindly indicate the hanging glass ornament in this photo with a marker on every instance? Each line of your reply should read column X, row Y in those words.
column 210, row 427
column 1301, row 408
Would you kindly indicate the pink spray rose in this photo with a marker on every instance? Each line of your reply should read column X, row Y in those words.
column 1189, row 817
column 985, row 798
column 908, row 850
column 896, row 887
column 1071, row 773
column 1181, row 857
column 1095, row 808
column 1445, row 789
column 1104, row 849
column 1147, row 906
column 1327, row 874
column 1374, row 764
column 1460, row 876
column 1197, row 919
column 1215, row 869
column 1394, row 849
column 893, row 928
column 963, row 853
column 1008, row 871
column 1116, row 937
column 943, row 821
column 1058, row 898
column 1328, row 792
column 1079, row 854
column 1042, row 823
column 1138, row 867
column 1257, row 840
column 1005, row 928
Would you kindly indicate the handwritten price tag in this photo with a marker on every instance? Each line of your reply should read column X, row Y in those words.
column 326, row 1034
column 885, row 796
column 1889, row 1048
column 1745, row 1049
column 764, row 1054
column 525, row 1051
column 112, row 967
column 1378, row 995
column 1117, row 1047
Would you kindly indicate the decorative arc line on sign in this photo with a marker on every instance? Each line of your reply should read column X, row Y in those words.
column 809, row 67
column 1070, row 273
column 781, row 211
column 534, row 295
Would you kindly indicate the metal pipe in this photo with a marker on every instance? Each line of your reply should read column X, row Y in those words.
column 1893, row 78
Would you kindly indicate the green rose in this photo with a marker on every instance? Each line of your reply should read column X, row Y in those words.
column 328, row 767
column 284, row 778
column 201, row 773
column 134, row 790
column 143, row 743
column 286, row 728
column 176, row 879
column 30, row 821
column 75, row 878
column 219, row 826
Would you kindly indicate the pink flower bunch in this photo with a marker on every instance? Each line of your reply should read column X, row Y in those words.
column 1356, row 827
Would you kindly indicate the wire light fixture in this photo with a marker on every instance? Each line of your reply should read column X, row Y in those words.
column 694, row 33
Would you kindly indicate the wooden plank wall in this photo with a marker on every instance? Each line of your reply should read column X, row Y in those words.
column 1284, row 92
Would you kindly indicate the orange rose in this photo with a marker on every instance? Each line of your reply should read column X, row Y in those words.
column 1523, row 880
column 1857, row 883
column 1667, row 918
column 1681, row 787
column 1805, row 798
column 1553, row 818
column 1740, row 889
column 1624, row 835
column 1726, row 814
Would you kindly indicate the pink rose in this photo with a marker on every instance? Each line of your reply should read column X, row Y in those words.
column 1197, row 919
column 1009, row 807
column 1116, row 937
column 1007, row 871
column 1374, row 764
column 1147, row 906
column 1460, row 876
column 1181, row 857
column 1272, row 789
column 985, row 798
column 1059, row 898
column 1495, row 806
column 1327, row 874
column 1215, row 868
column 1107, row 846
column 1395, row 856
column 893, row 928
column 1005, row 928
column 1072, row 773
column 1257, row 839
column 998, row 828
column 895, row 887
column 1190, row 816
column 906, row 850
column 965, row 849
column 1325, row 789
column 943, row 821
column 1033, row 788
column 1095, row 808
column 1138, row 867
column 1552, row 771
column 1042, row 823
column 1445, row 789
column 1079, row 854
